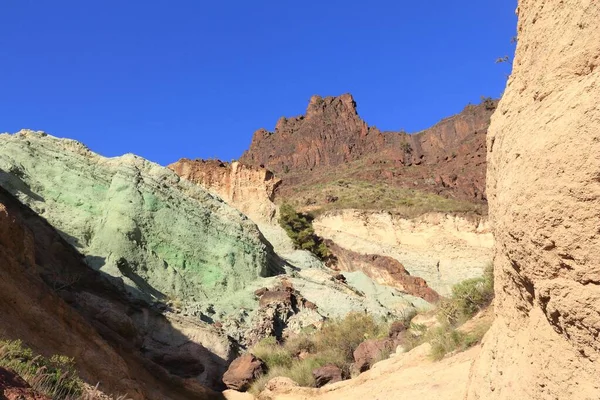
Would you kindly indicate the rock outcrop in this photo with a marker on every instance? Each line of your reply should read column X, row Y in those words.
column 382, row 269
column 247, row 188
column 56, row 304
column 242, row 372
column 332, row 136
column 135, row 220
column 327, row 374
column 443, row 249
column 544, row 196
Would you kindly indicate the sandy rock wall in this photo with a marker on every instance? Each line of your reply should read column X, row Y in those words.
column 544, row 196
column 247, row 188
column 440, row 248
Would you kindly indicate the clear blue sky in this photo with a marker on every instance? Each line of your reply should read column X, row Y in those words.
column 194, row 78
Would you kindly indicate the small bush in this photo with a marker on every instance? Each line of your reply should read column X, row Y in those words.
column 333, row 344
column 468, row 298
column 299, row 228
column 55, row 377
column 273, row 354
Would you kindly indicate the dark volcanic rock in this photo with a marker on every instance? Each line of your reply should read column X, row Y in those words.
column 332, row 135
column 242, row 372
column 327, row 374
column 369, row 351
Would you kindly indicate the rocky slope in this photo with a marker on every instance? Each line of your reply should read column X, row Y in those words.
column 249, row 189
column 331, row 139
column 442, row 249
column 162, row 237
column 56, row 304
column 544, row 194
column 135, row 220
column 404, row 376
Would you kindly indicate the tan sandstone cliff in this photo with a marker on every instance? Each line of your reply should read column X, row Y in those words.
column 544, row 196
column 247, row 188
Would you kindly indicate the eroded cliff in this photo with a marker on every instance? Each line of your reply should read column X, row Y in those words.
column 544, row 197
column 249, row 189
column 331, row 141
column 443, row 249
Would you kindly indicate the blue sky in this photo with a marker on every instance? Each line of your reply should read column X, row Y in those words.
column 191, row 78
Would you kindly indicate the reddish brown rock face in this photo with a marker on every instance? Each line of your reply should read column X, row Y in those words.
column 13, row 387
column 242, row 372
column 448, row 158
column 327, row 374
column 383, row 270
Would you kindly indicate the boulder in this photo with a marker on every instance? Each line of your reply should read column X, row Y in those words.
column 397, row 329
column 369, row 352
column 327, row 374
column 242, row 372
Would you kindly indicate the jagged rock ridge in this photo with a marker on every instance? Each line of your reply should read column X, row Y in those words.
column 331, row 135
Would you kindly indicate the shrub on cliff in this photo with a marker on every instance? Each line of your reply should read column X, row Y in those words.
column 299, row 228
column 55, row 377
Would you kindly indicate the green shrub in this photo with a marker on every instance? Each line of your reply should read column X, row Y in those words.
column 55, row 377
column 468, row 298
column 273, row 354
column 333, row 344
column 299, row 228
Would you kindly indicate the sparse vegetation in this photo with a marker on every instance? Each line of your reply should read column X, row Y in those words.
column 55, row 377
column 363, row 195
column 468, row 298
column 335, row 343
column 299, row 229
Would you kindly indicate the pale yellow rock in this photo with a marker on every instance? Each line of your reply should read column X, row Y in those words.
column 543, row 187
column 443, row 249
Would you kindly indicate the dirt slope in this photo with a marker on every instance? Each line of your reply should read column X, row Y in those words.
column 544, row 196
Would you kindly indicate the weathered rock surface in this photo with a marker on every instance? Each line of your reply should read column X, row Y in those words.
column 443, row 249
column 56, row 304
column 371, row 351
column 136, row 220
column 13, row 387
column 383, row 270
column 331, row 135
column 242, row 372
column 327, row 374
column 544, row 194
column 249, row 189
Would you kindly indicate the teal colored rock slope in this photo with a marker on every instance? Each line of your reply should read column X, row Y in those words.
column 136, row 220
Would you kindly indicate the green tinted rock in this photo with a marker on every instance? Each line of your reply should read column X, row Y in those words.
column 136, row 220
